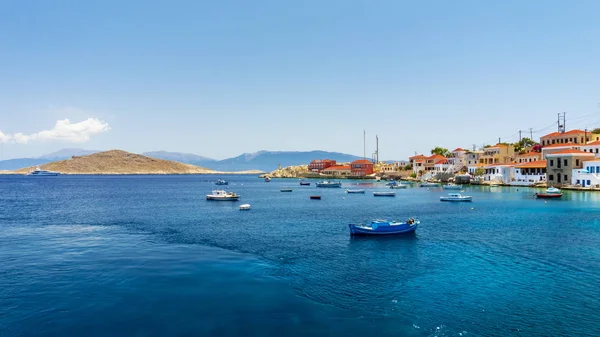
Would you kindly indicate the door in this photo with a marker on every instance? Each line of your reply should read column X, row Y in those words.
column 558, row 177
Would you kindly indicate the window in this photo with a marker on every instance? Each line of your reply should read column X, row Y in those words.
column 558, row 178
column 566, row 162
column 551, row 162
column 576, row 162
column 551, row 177
column 558, row 163
column 553, row 141
column 596, row 150
column 578, row 182
column 566, row 178
column 589, row 182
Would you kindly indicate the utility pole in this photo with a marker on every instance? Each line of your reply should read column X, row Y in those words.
column 377, row 148
column 474, row 146
column 531, row 133
column 562, row 126
column 499, row 141
column 519, row 136
column 364, row 145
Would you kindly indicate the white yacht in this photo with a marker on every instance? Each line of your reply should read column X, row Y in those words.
column 456, row 197
column 222, row 196
column 40, row 172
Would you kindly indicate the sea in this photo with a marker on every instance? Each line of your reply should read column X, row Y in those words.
column 150, row 256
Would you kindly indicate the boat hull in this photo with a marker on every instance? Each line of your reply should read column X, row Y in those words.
column 334, row 185
column 355, row 191
column 304, row 184
column 382, row 230
column 315, row 197
column 384, row 194
column 398, row 187
column 548, row 195
column 210, row 197
column 50, row 174
column 455, row 199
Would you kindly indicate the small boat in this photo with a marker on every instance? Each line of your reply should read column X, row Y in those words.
column 327, row 183
column 315, row 197
column 40, row 172
column 244, row 207
column 398, row 186
column 452, row 186
column 428, row 184
column 285, row 189
column 384, row 194
column 221, row 182
column 551, row 192
column 384, row 227
column 267, row 179
column 222, row 196
column 391, row 183
column 456, row 197
column 360, row 190
column 305, row 183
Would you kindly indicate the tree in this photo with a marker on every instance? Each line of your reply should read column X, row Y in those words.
column 413, row 175
column 408, row 167
column 479, row 172
column 596, row 130
column 524, row 144
column 441, row 151
column 536, row 148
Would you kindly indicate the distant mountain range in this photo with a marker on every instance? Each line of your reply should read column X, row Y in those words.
column 263, row 160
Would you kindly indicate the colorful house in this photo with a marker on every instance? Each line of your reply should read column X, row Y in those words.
column 337, row 170
column 361, row 168
column 561, row 164
column 500, row 173
column 319, row 165
column 559, row 147
column 528, row 157
column 529, row 173
column 573, row 136
column 592, row 147
column 588, row 175
column 498, row 154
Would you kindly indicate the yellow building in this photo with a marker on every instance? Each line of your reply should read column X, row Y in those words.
column 498, row 154
column 573, row 136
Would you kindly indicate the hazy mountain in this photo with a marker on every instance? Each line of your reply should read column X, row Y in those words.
column 67, row 153
column 17, row 163
column 188, row 158
column 269, row 160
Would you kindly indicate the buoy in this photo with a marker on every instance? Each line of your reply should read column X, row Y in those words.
column 545, row 202
column 472, row 208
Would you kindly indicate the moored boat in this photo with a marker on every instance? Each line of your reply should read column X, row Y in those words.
column 452, row 186
column 384, row 227
column 328, row 183
column 384, row 194
column 305, row 183
column 398, row 186
column 244, row 207
column 315, row 197
column 428, row 184
column 551, row 192
column 285, row 189
column 456, row 197
column 267, row 179
column 222, row 195
column 359, row 190
column 221, row 182
column 40, row 172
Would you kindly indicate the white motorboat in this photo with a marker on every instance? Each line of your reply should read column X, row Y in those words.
column 428, row 184
column 360, row 190
column 456, row 197
column 553, row 190
column 244, row 207
column 40, row 172
column 384, row 194
column 452, row 186
column 398, row 186
column 222, row 196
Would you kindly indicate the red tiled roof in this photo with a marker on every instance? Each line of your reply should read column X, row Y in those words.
column 338, row 168
column 499, row 145
column 419, row 156
column 533, row 164
column 570, row 151
column 596, row 142
column 556, row 134
column 458, row 149
column 362, row 161
column 436, row 156
column 529, row 154
column 562, row 145
column 441, row 161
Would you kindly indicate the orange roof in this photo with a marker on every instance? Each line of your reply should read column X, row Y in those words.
column 338, row 168
column 458, row 149
column 500, row 145
column 571, row 151
column 362, row 161
column 533, row 164
column 437, row 156
column 419, row 156
column 562, row 145
column 555, row 134
column 596, row 142
column 529, row 154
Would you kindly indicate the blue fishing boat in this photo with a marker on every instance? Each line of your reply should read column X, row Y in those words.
column 384, row 227
column 327, row 183
column 221, row 182
column 304, row 183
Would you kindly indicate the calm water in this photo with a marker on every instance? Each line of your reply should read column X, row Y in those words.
column 148, row 256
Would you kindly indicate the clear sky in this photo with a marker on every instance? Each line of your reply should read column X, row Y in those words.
column 219, row 78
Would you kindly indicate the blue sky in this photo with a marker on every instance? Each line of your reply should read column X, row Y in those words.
column 218, row 78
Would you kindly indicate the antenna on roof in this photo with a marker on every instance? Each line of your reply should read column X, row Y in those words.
column 562, row 126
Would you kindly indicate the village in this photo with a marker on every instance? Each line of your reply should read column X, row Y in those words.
column 568, row 159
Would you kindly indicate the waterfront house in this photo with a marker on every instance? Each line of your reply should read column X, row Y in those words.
column 500, row 173
column 337, row 170
column 361, row 168
column 472, row 157
column 560, row 165
column 528, row 157
column 573, row 136
column 588, row 175
column 418, row 164
column 471, row 168
column 457, row 160
column 498, row 154
column 393, row 167
column 529, row 173
column 592, row 147
column 319, row 165
column 433, row 160
column 559, row 147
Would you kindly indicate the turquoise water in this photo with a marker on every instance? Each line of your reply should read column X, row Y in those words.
column 148, row 256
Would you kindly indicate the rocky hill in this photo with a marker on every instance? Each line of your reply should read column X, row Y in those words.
column 119, row 162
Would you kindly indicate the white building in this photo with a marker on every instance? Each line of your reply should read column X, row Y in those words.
column 588, row 175
column 549, row 149
column 592, row 147
column 529, row 173
column 500, row 173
